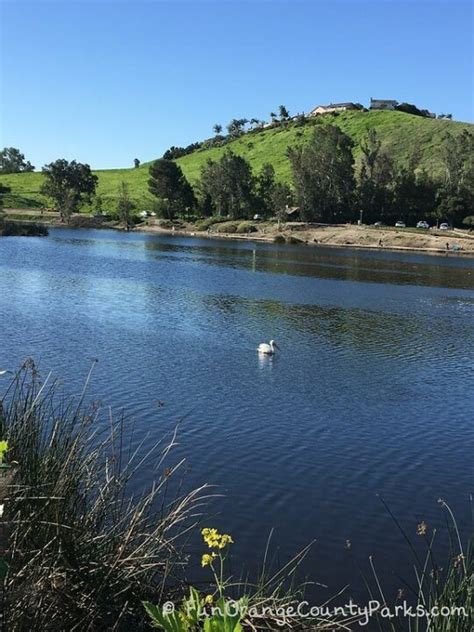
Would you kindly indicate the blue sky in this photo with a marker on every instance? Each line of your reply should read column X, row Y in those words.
column 107, row 81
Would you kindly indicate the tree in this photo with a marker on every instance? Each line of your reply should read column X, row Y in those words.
column 323, row 175
column 217, row 128
column 236, row 127
column 264, row 185
column 374, row 192
column 168, row 183
column 228, row 184
column 125, row 206
column 13, row 161
column 136, row 163
column 284, row 114
column 98, row 205
column 409, row 108
column 456, row 195
column 281, row 198
column 69, row 184
column 414, row 195
column 273, row 117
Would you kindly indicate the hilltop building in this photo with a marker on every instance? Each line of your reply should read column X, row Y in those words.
column 383, row 104
column 335, row 107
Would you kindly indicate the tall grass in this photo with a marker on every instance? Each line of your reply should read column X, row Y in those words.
column 83, row 552
column 441, row 591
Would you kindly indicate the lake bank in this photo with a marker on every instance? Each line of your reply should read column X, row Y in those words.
column 348, row 235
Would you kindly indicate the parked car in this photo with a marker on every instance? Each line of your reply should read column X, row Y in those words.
column 444, row 226
column 422, row 224
column 400, row 224
column 378, row 224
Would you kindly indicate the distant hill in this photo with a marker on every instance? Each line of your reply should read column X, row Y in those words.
column 400, row 133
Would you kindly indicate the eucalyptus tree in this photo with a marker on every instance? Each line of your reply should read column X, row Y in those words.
column 323, row 175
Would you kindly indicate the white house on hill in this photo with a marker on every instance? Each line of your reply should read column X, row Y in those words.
column 334, row 107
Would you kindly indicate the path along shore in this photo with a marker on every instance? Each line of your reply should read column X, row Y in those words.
column 455, row 242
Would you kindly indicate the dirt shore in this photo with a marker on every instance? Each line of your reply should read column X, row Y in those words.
column 455, row 242
column 429, row 241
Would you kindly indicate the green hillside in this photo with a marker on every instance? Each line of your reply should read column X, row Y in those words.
column 399, row 132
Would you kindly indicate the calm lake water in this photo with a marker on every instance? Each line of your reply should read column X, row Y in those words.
column 372, row 395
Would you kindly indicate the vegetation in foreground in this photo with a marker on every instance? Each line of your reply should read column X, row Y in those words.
column 79, row 552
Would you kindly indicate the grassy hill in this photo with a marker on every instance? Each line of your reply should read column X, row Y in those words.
column 399, row 132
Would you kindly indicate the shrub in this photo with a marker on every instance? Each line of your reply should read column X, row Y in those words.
column 468, row 221
column 204, row 224
column 279, row 239
column 227, row 227
column 165, row 223
column 246, row 227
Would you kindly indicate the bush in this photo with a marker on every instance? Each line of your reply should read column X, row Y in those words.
column 409, row 108
column 279, row 239
column 165, row 223
column 204, row 224
column 468, row 221
column 177, row 152
column 246, row 227
column 227, row 227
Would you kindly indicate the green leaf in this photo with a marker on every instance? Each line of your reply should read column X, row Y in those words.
column 169, row 622
column 3, row 449
column 192, row 606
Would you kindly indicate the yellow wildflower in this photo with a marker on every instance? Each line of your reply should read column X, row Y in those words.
column 422, row 528
column 207, row 559
column 214, row 540
column 225, row 540
column 209, row 600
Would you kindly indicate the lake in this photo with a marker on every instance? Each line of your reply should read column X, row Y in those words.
column 370, row 398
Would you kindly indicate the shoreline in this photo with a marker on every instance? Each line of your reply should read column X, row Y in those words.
column 268, row 240
column 335, row 236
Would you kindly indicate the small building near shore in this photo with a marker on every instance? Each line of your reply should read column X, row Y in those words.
column 293, row 213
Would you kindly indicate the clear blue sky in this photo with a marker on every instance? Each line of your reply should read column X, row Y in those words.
column 107, row 81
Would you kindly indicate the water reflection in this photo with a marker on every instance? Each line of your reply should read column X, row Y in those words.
column 266, row 361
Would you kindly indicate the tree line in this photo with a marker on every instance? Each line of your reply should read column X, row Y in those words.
column 327, row 185
column 235, row 128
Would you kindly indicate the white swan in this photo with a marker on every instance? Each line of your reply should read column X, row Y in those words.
column 268, row 349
